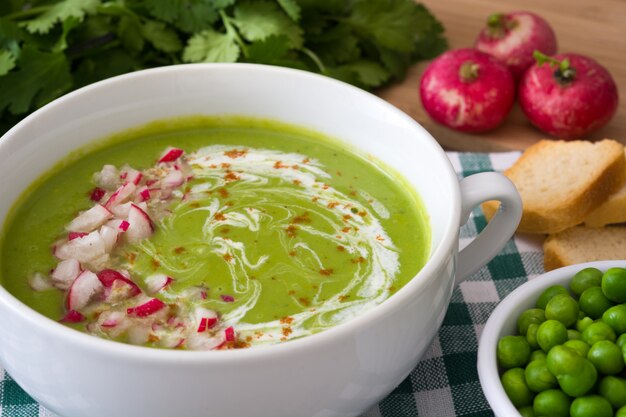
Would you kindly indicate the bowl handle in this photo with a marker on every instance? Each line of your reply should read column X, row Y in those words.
column 477, row 189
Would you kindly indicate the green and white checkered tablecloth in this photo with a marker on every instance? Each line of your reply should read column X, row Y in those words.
column 445, row 382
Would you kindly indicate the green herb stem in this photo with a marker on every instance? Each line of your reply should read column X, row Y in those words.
column 23, row 14
column 316, row 60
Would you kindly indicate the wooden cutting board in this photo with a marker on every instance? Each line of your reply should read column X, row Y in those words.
column 595, row 28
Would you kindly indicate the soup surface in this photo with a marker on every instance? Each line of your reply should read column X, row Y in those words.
column 236, row 232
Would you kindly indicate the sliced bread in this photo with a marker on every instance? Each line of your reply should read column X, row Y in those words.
column 584, row 244
column 612, row 211
column 561, row 182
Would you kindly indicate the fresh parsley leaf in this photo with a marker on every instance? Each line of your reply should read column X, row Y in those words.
column 7, row 62
column 369, row 73
column 211, row 46
column 390, row 23
column 40, row 78
column 61, row 11
column 189, row 16
column 291, row 8
column 129, row 31
column 68, row 24
column 336, row 45
column 161, row 37
column 105, row 64
column 268, row 50
column 260, row 19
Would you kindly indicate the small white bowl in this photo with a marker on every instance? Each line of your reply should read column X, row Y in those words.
column 503, row 321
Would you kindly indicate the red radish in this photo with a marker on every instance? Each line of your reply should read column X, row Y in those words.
column 89, row 220
column 513, row 37
column 110, row 278
column 139, row 334
column 39, row 282
column 146, row 309
column 110, row 318
column 85, row 287
column 108, row 178
column 131, row 175
column 65, row 273
column 72, row 316
column 467, row 90
column 97, row 194
column 84, row 249
column 121, row 195
column 171, row 154
column 204, row 341
column 172, row 180
column 140, row 224
column 156, row 282
column 227, row 298
column 568, row 95
column 109, row 235
column 121, row 211
column 205, row 318
column 75, row 235
column 229, row 334
column 144, row 193
column 124, row 225
column 206, row 323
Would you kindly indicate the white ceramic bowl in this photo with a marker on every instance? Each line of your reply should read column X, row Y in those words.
column 503, row 321
column 339, row 372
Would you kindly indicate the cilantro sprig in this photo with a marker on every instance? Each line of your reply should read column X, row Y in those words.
column 49, row 47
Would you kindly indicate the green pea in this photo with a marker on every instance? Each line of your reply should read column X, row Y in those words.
column 527, row 411
column 548, row 293
column 576, row 375
column 591, row 406
column 614, row 390
column 538, row 377
column 539, row 354
column 582, row 324
column 621, row 340
column 550, row 334
column 614, row 284
column 621, row 412
column 606, row 357
column 553, row 403
column 616, row 318
column 514, row 384
column 512, row 352
column 594, row 303
column 528, row 317
column 624, row 352
column 531, row 336
column 586, row 278
column 564, row 308
column 579, row 346
column 574, row 334
column 598, row 331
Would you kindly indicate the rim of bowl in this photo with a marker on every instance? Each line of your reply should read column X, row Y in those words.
column 487, row 367
column 314, row 341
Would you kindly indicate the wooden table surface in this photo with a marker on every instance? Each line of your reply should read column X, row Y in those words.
column 596, row 28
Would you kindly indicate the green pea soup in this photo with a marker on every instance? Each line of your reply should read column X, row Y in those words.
column 311, row 236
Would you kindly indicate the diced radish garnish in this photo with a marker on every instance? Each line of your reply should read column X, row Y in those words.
column 140, row 224
column 75, row 235
column 84, row 249
column 85, row 287
column 203, row 294
column 138, row 334
column 227, row 298
column 206, row 324
column 171, row 154
column 121, row 195
column 65, row 273
column 229, row 334
column 108, row 178
column 172, row 180
column 149, row 307
column 156, row 282
column 143, row 193
column 72, row 316
column 39, row 282
column 131, row 175
column 203, row 341
column 97, row 194
column 90, row 220
column 109, row 235
column 109, row 277
column 121, row 211
column 110, row 319
column 124, row 225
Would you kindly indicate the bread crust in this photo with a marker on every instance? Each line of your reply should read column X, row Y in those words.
column 556, row 216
